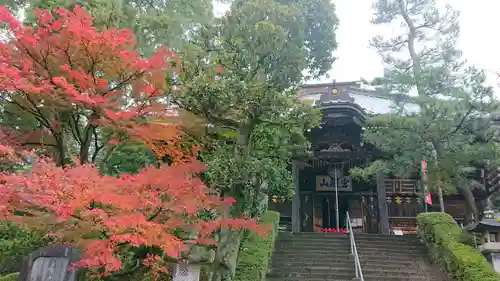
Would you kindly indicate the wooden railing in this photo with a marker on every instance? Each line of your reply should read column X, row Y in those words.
column 400, row 186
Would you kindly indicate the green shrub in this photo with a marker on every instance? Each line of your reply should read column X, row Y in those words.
column 15, row 244
column 10, row 277
column 255, row 251
column 443, row 238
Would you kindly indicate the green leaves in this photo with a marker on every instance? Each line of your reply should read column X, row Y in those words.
column 155, row 23
column 241, row 75
column 453, row 129
column 127, row 158
column 443, row 238
column 15, row 244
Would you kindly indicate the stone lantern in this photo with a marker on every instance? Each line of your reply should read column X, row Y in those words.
column 188, row 267
column 490, row 227
column 186, row 272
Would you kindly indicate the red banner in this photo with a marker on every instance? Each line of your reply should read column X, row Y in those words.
column 428, row 198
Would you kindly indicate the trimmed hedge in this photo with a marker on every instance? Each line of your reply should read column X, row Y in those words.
column 255, row 251
column 10, row 277
column 442, row 236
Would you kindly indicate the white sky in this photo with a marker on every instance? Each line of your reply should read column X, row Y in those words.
column 479, row 40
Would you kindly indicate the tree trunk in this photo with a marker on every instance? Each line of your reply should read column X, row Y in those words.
column 440, row 196
column 85, row 146
column 470, row 203
column 226, row 255
column 60, row 149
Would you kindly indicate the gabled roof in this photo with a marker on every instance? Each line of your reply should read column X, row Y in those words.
column 354, row 93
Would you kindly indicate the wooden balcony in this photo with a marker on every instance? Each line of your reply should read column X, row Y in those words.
column 400, row 186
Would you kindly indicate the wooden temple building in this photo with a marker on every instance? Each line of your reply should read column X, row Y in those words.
column 381, row 205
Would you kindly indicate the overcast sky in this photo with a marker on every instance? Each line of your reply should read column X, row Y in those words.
column 479, row 40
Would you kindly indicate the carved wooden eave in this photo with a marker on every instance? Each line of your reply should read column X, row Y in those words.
column 336, row 103
column 338, row 110
column 338, row 155
column 326, row 87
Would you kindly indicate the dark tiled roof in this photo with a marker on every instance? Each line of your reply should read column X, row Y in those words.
column 485, row 225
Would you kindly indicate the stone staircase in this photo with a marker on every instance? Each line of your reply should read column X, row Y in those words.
column 326, row 256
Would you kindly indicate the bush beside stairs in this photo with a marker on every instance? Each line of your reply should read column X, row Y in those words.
column 326, row 256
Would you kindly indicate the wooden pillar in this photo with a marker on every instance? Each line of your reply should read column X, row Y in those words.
column 296, row 197
column 383, row 214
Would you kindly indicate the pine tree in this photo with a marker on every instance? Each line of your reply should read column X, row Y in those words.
column 450, row 126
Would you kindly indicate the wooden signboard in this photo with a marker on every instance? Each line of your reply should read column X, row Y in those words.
column 325, row 183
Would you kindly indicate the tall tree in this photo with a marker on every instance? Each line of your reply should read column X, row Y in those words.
column 80, row 84
column 241, row 75
column 451, row 126
column 154, row 24
column 64, row 71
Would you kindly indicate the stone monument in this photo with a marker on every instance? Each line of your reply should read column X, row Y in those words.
column 51, row 263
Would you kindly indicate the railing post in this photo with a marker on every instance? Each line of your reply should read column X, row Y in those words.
column 354, row 251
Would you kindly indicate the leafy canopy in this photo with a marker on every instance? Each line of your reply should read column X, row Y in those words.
column 84, row 87
column 241, row 75
column 448, row 122
column 65, row 67
column 154, row 23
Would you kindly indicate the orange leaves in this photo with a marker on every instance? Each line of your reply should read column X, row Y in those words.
column 148, row 209
column 65, row 64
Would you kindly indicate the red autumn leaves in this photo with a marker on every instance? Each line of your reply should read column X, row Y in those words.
column 143, row 209
column 65, row 65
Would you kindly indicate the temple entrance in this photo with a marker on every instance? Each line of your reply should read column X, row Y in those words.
column 329, row 211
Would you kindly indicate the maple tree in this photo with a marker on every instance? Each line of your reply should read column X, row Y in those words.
column 75, row 80
column 78, row 82
column 158, row 207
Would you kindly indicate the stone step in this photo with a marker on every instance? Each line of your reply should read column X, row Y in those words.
column 343, row 252
column 344, row 273
column 317, row 269
column 326, row 256
column 328, row 241
column 345, row 263
column 342, row 278
column 323, row 241
column 341, row 261
column 308, row 259
column 347, row 252
column 367, row 247
column 362, row 236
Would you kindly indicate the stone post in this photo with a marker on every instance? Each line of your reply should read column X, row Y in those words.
column 383, row 214
column 296, row 197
